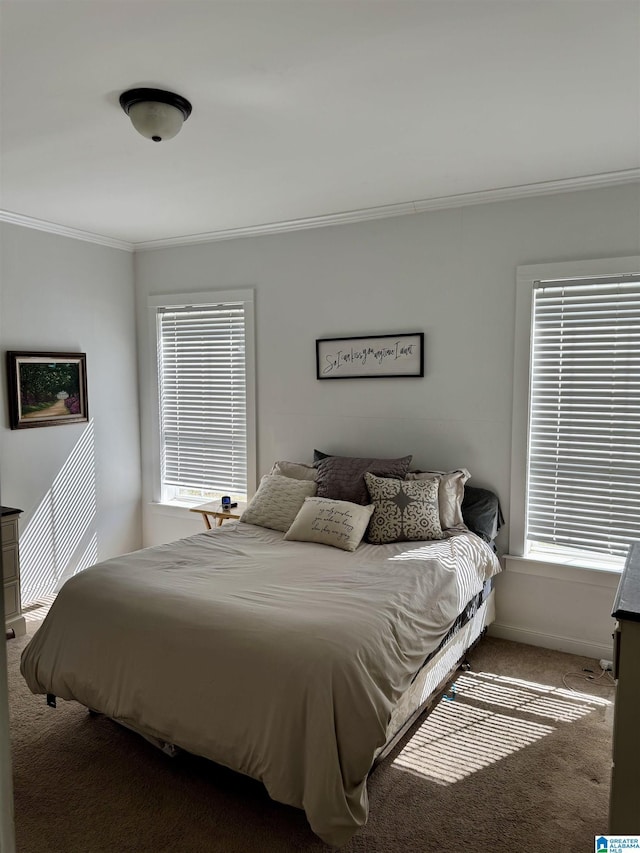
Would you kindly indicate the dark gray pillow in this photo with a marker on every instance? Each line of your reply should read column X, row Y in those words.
column 481, row 512
column 342, row 477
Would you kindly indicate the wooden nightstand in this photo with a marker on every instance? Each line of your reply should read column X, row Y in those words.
column 14, row 620
column 214, row 510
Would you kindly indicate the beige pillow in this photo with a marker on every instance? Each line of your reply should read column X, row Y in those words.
column 297, row 470
column 405, row 511
column 277, row 501
column 450, row 495
column 338, row 523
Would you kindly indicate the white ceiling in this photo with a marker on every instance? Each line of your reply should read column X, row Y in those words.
column 303, row 108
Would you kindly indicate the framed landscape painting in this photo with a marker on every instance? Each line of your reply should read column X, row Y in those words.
column 47, row 388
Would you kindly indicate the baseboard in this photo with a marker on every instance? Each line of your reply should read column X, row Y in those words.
column 552, row 641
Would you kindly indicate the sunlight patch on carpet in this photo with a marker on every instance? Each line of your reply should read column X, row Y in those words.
column 542, row 700
column 457, row 740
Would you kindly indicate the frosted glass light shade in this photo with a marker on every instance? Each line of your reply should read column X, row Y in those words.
column 155, row 113
column 156, row 121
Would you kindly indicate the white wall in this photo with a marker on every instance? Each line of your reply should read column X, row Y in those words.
column 448, row 273
column 78, row 484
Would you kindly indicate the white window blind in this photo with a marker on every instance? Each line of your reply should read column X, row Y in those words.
column 203, row 397
column 584, row 431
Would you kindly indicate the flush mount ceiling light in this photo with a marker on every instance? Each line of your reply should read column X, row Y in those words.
column 156, row 114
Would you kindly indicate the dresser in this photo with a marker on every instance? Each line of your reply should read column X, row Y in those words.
column 624, row 805
column 14, row 620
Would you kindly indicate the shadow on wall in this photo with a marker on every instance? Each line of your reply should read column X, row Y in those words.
column 60, row 539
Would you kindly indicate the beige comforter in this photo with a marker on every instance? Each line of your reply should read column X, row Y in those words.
column 282, row 660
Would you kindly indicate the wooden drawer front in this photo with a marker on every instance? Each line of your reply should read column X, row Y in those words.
column 10, row 563
column 9, row 530
column 11, row 600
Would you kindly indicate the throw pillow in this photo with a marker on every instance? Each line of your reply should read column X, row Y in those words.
column 405, row 511
column 342, row 477
column 340, row 524
column 481, row 512
column 277, row 501
column 297, row 470
column 450, row 495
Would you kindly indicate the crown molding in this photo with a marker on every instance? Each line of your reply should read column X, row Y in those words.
column 565, row 185
column 386, row 211
column 607, row 179
column 64, row 231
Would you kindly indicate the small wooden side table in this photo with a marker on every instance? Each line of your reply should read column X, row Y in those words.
column 215, row 510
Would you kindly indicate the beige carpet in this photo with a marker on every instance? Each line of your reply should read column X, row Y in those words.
column 515, row 762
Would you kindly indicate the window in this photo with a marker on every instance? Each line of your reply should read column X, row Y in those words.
column 578, row 494
column 205, row 395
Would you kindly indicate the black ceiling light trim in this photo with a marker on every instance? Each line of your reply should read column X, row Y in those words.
column 136, row 96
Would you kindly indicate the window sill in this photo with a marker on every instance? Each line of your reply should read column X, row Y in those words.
column 603, row 575
column 174, row 509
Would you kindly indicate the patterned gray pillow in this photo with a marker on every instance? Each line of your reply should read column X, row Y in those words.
column 342, row 477
column 405, row 511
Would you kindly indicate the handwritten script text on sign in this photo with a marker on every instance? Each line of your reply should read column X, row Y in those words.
column 396, row 352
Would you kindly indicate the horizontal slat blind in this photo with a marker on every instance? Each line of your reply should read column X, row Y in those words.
column 584, row 433
column 202, row 379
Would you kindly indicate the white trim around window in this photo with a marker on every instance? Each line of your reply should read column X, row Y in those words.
column 205, row 298
column 527, row 277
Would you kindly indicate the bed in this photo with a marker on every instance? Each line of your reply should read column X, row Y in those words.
column 293, row 662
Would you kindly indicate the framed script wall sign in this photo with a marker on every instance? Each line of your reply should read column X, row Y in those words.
column 47, row 388
column 375, row 357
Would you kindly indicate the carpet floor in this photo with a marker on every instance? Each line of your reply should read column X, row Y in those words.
column 512, row 762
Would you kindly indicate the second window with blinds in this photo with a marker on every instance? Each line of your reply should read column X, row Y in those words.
column 576, row 462
column 205, row 382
